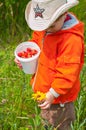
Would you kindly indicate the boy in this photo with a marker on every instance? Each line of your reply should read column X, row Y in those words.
column 60, row 37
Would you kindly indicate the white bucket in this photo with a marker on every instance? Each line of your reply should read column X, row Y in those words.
column 29, row 65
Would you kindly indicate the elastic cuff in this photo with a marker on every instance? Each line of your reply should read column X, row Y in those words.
column 54, row 92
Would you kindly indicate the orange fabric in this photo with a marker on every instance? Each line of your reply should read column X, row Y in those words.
column 60, row 62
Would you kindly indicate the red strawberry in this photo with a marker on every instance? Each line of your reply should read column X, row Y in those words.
column 33, row 52
column 29, row 55
column 25, row 54
column 28, row 49
column 20, row 54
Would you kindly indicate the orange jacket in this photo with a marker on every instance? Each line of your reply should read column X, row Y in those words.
column 60, row 62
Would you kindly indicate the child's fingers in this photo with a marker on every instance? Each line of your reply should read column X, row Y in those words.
column 15, row 60
column 45, row 105
column 18, row 63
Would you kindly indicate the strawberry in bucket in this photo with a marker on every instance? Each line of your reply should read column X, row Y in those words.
column 29, row 52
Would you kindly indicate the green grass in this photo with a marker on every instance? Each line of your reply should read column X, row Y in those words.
column 17, row 109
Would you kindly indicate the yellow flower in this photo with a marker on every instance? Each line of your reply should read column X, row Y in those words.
column 54, row 129
column 39, row 96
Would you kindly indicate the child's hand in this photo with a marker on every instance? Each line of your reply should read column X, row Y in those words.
column 18, row 63
column 48, row 101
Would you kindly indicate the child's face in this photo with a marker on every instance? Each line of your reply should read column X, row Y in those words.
column 57, row 25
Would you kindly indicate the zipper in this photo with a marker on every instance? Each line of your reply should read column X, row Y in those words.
column 45, row 34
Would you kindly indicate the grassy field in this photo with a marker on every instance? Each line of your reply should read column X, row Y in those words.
column 17, row 109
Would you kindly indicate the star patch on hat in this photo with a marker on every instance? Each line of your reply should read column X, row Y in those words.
column 38, row 11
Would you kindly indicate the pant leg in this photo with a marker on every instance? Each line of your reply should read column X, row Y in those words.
column 67, row 118
column 60, row 117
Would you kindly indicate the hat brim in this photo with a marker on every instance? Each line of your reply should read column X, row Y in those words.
column 42, row 24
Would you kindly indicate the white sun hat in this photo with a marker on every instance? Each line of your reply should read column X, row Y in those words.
column 40, row 14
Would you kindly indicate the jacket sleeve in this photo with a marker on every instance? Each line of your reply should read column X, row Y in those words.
column 36, row 37
column 68, row 65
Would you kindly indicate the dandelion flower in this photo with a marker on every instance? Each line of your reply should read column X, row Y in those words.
column 39, row 96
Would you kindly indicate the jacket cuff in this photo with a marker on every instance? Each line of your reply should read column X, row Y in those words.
column 55, row 94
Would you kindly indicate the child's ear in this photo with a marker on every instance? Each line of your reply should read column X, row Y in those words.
column 65, row 14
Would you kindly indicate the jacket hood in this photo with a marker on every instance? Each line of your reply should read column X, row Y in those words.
column 73, row 25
